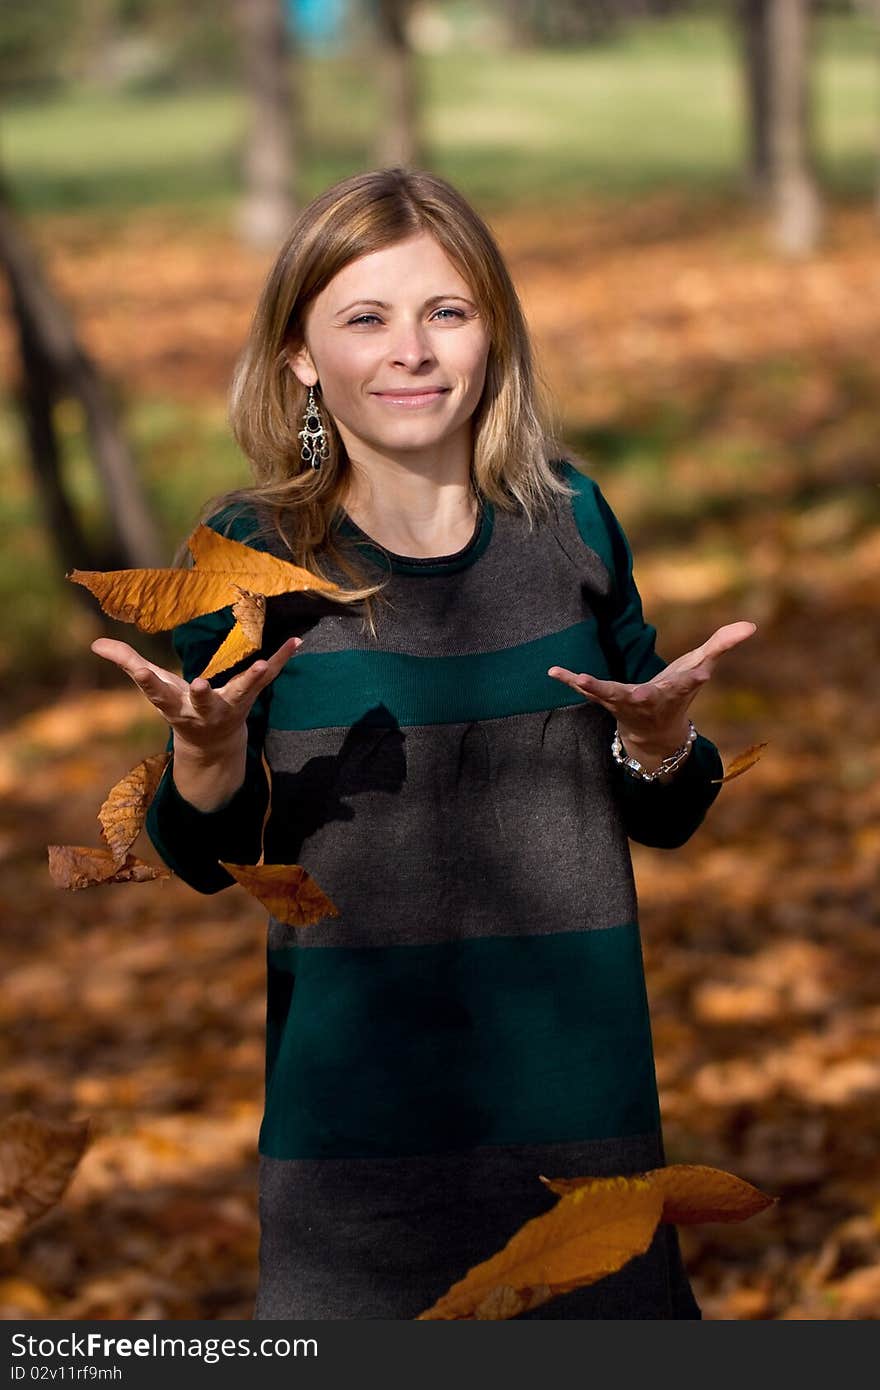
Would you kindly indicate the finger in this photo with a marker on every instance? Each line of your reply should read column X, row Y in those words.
column 263, row 671
column 723, row 639
column 152, row 679
column 603, row 692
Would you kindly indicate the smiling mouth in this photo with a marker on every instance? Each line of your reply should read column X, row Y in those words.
column 412, row 398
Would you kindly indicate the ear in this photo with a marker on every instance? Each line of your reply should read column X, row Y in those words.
column 300, row 362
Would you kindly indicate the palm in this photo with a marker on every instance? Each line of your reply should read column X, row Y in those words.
column 659, row 706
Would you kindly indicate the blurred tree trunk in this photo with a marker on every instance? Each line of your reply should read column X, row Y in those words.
column 775, row 42
column 796, row 207
column 55, row 367
column 270, row 158
column 398, row 141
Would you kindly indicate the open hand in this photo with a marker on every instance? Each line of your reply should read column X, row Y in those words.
column 652, row 717
column 203, row 718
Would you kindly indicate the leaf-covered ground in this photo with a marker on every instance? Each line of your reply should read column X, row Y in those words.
column 728, row 405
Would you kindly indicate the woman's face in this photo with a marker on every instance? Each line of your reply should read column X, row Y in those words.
column 399, row 350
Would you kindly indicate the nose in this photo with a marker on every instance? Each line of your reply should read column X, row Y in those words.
column 410, row 346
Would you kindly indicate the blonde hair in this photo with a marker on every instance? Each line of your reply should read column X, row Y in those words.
column 512, row 446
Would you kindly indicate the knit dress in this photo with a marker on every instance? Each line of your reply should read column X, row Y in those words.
column 477, row 1014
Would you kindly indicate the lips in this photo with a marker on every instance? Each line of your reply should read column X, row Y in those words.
column 413, row 391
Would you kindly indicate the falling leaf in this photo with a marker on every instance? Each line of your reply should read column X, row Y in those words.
column 82, row 866
column 122, row 814
column 741, row 763
column 287, row 890
column 245, row 638
column 692, row 1193
column 590, row 1232
column 158, row 599
column 37, row 1160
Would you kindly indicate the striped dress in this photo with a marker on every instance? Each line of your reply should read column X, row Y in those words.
column 476, row 1015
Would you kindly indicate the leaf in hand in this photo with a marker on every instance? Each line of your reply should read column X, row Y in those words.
column 287, row 890
column 81, row 866
column 122, row 814
column 37, row 1160
column 741, row 763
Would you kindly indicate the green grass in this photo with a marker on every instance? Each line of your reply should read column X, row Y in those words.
column 660, row 105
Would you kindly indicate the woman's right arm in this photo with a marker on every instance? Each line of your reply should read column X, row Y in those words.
column 211, row 802
column 212, row 798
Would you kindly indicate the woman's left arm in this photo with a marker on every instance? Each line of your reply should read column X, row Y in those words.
column 650, row 702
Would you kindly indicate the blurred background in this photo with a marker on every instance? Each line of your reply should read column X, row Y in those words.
column 687, row 194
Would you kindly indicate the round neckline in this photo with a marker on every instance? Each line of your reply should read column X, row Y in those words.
column 425, row 564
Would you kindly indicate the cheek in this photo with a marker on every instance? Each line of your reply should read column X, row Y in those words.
column 347, row 365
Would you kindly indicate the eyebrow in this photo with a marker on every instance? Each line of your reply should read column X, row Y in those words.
column 380, row 303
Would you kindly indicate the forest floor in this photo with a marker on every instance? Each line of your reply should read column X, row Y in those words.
column 728, row 404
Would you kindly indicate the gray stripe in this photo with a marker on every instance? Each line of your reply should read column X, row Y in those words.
column 384, row 1238
column 477, row 609
column 443, row 832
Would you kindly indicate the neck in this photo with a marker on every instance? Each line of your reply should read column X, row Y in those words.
column 418, row 503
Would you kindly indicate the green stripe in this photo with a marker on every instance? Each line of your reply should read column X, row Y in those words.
column 321, row 690
column 425, row 1049
column 588, row 519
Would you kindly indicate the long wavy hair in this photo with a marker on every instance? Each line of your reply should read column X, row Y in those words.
column 512, row 443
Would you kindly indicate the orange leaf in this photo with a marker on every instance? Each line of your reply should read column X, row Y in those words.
column 245, row 638
column 590, row 1233
column 37, row 1160
column 691, row 1192
column 287, row 890
column 158, row 599
column 122, row 814
column 82, row 866
column 741, row 763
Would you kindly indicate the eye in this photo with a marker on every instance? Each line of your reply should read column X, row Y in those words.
column 362, row 318
column 456, row 313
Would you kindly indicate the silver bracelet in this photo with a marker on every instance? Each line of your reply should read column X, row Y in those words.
column 667, row 769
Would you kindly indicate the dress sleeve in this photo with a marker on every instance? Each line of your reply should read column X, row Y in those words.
column 662, row 815
column 190, row 841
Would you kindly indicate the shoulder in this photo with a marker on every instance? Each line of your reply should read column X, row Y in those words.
column 244, row 522
column 596, row 523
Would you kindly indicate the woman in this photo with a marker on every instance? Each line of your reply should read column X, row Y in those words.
column 460, row 773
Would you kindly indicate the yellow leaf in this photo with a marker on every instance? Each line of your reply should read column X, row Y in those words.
column 287, row 890
column 122, row 814
column 691, row 1193
column 37, row 1159
column 741, row 763
column 82, row 866
column 158, row 599
column 245, row 638
column 590, row 1232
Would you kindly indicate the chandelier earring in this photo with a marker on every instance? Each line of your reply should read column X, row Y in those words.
column 315, row 443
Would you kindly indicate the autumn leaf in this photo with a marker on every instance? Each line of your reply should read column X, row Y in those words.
column 591, row 1232
column 596, row 1227
column 82, row 866
column 122, row 814
column 741, row 763
column 245, row 638
column 287, row 890
column 37, row 1160
column 159, row 599
column 692, row 1193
